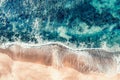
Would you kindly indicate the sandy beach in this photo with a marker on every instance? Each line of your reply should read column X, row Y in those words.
column 56, row 62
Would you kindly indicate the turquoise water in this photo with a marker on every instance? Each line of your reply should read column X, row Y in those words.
column 86, row 23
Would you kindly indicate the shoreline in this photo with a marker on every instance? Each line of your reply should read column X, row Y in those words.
column 57, row 59
column 69, row 46
column 53, row 53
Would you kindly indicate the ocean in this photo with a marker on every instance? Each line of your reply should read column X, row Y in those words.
column 59, row 39
column 75, row 23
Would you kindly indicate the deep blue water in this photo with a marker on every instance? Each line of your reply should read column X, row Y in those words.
column 89, row 22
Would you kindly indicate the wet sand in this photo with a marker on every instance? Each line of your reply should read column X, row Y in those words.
column 56, row 62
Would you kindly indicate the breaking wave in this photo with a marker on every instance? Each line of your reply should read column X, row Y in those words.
column 77, row 24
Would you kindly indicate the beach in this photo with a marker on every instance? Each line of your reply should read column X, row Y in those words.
column 55, row 62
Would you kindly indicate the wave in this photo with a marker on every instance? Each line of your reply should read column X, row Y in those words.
column 67, row 45
column 79, row 23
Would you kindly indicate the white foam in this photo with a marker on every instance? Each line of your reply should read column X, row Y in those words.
column 67, row 45
column 2, row 2
column 62, row 33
